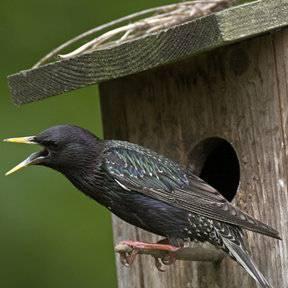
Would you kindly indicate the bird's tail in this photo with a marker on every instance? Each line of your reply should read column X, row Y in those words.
column 238, row 252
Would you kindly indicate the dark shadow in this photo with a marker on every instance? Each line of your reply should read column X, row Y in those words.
column 216, row 162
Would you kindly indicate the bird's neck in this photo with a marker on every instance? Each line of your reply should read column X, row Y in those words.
column 86, row 175
column 91, row 184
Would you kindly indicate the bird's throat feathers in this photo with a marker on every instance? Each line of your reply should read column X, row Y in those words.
column 83, row 173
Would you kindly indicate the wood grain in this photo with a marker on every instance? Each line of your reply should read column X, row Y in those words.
column 151, row 51
column 238, row 93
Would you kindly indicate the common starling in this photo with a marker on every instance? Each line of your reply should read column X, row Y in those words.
column 147, row 190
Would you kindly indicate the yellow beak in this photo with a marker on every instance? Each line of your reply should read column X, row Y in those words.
column 24, row 140
column 32, row 159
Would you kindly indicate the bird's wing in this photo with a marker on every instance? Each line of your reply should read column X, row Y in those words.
column 138, row 169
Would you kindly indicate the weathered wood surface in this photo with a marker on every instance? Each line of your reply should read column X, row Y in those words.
column 151, row 51
column 238, row 93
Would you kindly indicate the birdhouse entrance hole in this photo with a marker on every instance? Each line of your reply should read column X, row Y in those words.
column 216, row 162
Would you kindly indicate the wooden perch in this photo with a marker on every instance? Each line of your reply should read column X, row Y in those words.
column 195, row 252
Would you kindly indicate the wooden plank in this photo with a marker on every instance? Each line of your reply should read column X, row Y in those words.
column 280, row 42
column 149, row 52
column 238, row 93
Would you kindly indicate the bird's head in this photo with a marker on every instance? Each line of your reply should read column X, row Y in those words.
column 64, row 147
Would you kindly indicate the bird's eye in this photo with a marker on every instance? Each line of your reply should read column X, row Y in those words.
column 51, row 144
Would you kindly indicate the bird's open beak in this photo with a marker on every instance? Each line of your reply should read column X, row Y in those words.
column 32, row 159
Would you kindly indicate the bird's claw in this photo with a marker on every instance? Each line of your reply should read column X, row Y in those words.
column 166, row 260
column 127, row 258
column 159, row 264
column 169, row 259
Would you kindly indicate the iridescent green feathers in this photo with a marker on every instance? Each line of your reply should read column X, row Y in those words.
column 138, row 169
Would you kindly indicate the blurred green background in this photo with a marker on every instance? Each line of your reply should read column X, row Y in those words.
column 50, row 234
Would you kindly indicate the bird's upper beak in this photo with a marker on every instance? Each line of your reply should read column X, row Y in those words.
column 22, row 140
column 32, row 159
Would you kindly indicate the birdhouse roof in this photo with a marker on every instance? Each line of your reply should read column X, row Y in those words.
column 150, row 51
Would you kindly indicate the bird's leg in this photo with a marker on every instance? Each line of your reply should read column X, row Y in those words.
column 127, row 258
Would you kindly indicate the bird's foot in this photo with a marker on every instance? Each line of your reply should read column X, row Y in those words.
column 168, row 259
column 127, row 258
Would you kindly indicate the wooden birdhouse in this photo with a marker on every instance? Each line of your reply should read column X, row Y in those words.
column 211, row 93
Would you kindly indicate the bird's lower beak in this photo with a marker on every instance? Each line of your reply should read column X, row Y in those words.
column 32, row 159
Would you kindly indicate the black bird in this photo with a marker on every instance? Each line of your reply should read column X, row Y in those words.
column 147, row 190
